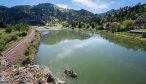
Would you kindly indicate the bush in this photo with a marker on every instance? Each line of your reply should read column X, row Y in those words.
column 39, row 74
column 128, row 24
column 26, row 61
column 116, row 26
column 23, row 33
column 9, row 29
column 13, row 37
column 22, row 27
column 144, row 35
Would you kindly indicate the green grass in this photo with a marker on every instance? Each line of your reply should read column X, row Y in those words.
column 116, row 34
column 7, row 40
column 122, row 34
column 31, row 50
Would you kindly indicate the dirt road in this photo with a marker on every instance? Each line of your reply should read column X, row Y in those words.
column 16, row 52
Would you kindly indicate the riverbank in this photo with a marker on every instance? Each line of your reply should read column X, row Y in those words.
column 31, row 51
column 27, row 72
column 116, row 34
column 30, row 74
column 122, row 34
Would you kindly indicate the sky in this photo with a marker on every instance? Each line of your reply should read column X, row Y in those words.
column 95, row 6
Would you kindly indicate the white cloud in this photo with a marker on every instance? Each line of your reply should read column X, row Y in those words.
column 67, row 51
column 94, row 3
column 62, row 5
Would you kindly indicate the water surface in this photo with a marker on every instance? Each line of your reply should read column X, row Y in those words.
column 97, row 59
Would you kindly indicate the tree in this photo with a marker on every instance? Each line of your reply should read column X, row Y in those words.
column 116, row 26
column 128, row 24
column 9, row 28
column 22, row 27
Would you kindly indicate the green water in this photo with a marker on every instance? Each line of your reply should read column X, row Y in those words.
column 97, row 59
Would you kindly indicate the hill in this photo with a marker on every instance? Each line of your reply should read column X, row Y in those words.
column 41, row 14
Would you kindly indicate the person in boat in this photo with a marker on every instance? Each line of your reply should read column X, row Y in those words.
column 65, row 71
column 70, row 73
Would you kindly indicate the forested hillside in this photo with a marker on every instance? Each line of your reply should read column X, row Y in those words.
column 42, row 14
column 123, row 19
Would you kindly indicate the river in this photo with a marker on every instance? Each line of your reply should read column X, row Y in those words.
column 97, row 59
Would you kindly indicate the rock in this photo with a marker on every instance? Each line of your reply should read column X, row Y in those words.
column 50, row 79
column 30, row 74
column 61, row 82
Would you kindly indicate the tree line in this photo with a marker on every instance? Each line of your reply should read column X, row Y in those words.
column 123, row 19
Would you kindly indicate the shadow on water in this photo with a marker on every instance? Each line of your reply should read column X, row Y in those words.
column 54, row 37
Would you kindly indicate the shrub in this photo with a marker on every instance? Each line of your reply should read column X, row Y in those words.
column 9, row 29
column 39, row 74
column 26, row 61
column 22, row 34
column 144, row 35
column 13, row 37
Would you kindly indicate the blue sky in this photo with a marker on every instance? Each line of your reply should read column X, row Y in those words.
column 95, row 6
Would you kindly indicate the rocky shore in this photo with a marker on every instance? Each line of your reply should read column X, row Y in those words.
column 29, row 74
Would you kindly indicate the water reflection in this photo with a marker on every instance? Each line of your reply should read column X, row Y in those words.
column 97, row 59
column 56, row 36
column 128, row 43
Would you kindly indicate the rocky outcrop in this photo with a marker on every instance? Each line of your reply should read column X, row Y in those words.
column 30, row 74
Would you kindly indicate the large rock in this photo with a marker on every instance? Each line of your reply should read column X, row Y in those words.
column 30, row 74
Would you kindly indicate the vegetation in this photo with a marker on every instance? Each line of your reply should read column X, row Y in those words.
column 42, row 14
column 31, row 50
column 39, row 74
column 144, row 35
column 123, row 19
column 116, row 21
column 12, row 34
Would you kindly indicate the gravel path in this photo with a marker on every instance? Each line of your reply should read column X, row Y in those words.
column 16, row 52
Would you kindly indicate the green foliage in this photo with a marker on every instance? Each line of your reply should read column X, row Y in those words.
column 43, row 13
column 39, row 74
column 116, row 26
column 9, row 28
column 125, row 13
column 23, row 33
column 123, row 26
column 6, row 38
column 11, row 33
column 144, row 35
column 128, row 24
column 99, row 27
column 21, row 27
column 17, row 27
column 31, row 50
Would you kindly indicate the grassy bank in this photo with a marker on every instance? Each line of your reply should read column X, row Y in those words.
column 7, row 40
column 122, row 34
column 115, row 34
column 31, row 50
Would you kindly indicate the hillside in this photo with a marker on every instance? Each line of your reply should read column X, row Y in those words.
column 125, row 13
column 41, row 14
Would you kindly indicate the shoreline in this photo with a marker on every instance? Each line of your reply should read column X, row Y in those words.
column 30, row 72
column 123, row 34
column 32, row 49
column 116, row 34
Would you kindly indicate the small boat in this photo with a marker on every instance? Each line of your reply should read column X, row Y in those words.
column 70, row 73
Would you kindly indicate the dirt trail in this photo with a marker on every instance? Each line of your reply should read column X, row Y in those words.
column 16, row 52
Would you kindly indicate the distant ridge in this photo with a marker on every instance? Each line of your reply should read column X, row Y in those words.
column 41, row 14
